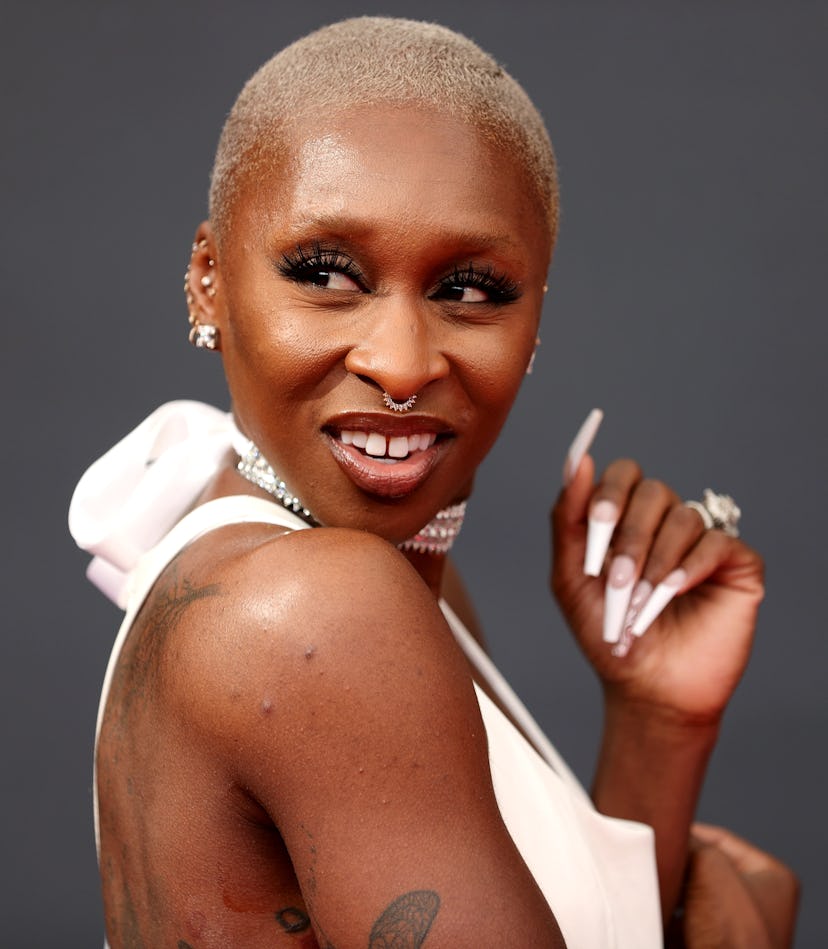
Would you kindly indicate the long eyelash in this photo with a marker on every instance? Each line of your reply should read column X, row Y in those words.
column 499, row 287
column 302, row 264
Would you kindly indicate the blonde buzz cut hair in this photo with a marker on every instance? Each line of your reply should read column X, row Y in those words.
column 369, row 60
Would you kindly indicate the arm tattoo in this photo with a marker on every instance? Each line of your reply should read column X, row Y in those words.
column 406, row 921
column 292, row 920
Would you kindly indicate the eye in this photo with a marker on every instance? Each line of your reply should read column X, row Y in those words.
column 332, row 280
column 465, row 294
column 477, row 285
column 325, row 268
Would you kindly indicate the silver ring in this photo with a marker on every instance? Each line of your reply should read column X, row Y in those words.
column 396, row 406
column 717, row 511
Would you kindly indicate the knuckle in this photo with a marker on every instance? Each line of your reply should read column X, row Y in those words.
column 658, row 567
column 623, row 471
column 654, row 491
column 629, row 538
column 686, row 519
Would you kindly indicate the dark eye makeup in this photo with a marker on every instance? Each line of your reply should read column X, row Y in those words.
column 497, row 287
column 316, row 264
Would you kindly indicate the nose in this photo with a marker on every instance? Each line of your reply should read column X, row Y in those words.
column 400, row 350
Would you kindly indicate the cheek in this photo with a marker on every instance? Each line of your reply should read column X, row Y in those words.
column 495, row 371
column 284, row 349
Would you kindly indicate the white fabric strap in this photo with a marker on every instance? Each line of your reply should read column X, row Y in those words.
column 131, row 496
column 489, row 672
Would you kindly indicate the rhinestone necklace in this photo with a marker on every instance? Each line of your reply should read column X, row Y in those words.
column 436, row 537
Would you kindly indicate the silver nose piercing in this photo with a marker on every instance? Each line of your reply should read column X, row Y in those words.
column 396, row 406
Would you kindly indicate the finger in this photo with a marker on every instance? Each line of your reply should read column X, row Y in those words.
column 680, row 530
column 609, row 500
column 571, row 505
column 634, row 535
column 569, row 526
column 701, row 561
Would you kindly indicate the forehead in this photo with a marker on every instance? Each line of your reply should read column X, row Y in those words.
column 389, row 163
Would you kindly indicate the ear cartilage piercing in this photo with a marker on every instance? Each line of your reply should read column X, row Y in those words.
column 202, row 335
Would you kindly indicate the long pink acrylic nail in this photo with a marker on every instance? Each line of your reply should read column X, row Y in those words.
column 581, row 444
column 659, row 598
column 620, row 581
column 602, row 520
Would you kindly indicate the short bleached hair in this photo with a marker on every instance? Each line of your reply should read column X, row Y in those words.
column 368, row 60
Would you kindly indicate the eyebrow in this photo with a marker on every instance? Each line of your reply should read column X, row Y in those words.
column 349, row 227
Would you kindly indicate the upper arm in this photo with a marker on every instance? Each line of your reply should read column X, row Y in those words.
column 340, row 699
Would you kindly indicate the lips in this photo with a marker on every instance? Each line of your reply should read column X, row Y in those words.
column 385, row 456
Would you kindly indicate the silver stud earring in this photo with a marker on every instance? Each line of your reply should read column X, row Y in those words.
column 204, row 336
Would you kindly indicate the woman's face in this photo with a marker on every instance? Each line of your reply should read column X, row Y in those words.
column 391, row 250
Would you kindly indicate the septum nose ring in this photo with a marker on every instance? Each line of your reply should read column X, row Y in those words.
column 396, row 406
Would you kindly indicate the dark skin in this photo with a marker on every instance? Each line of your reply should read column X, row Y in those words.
column 305, row 690
column 292, row 732
column 249, row 859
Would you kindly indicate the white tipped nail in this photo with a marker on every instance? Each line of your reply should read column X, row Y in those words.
column 620, row 581
column 581, row 444
column 602, row 521
column 659, row 598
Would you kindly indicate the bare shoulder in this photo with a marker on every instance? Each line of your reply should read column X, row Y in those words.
column 285, row 634
column 314, row 673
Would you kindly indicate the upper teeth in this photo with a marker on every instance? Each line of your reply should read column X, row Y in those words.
column 397, row 446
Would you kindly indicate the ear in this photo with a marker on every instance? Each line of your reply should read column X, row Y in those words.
column 202, row 289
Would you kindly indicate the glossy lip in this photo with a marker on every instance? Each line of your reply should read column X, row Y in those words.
column 387, row 479
column 386, row 424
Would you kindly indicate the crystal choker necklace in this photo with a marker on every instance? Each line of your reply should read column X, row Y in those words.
column 435, row 538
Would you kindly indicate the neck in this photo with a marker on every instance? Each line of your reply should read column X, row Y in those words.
column 429, row 566
column 426, row 550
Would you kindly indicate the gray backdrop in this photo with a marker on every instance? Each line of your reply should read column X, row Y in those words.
column 687, row 299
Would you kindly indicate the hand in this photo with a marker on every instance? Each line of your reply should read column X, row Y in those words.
column 735, row 895
column 692, row 656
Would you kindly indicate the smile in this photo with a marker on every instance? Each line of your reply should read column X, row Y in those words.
column 390, row 448
column 387, row 458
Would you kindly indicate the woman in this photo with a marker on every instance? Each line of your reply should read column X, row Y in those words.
column 299, row 741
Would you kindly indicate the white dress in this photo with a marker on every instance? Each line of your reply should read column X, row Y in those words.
column 597, row 873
